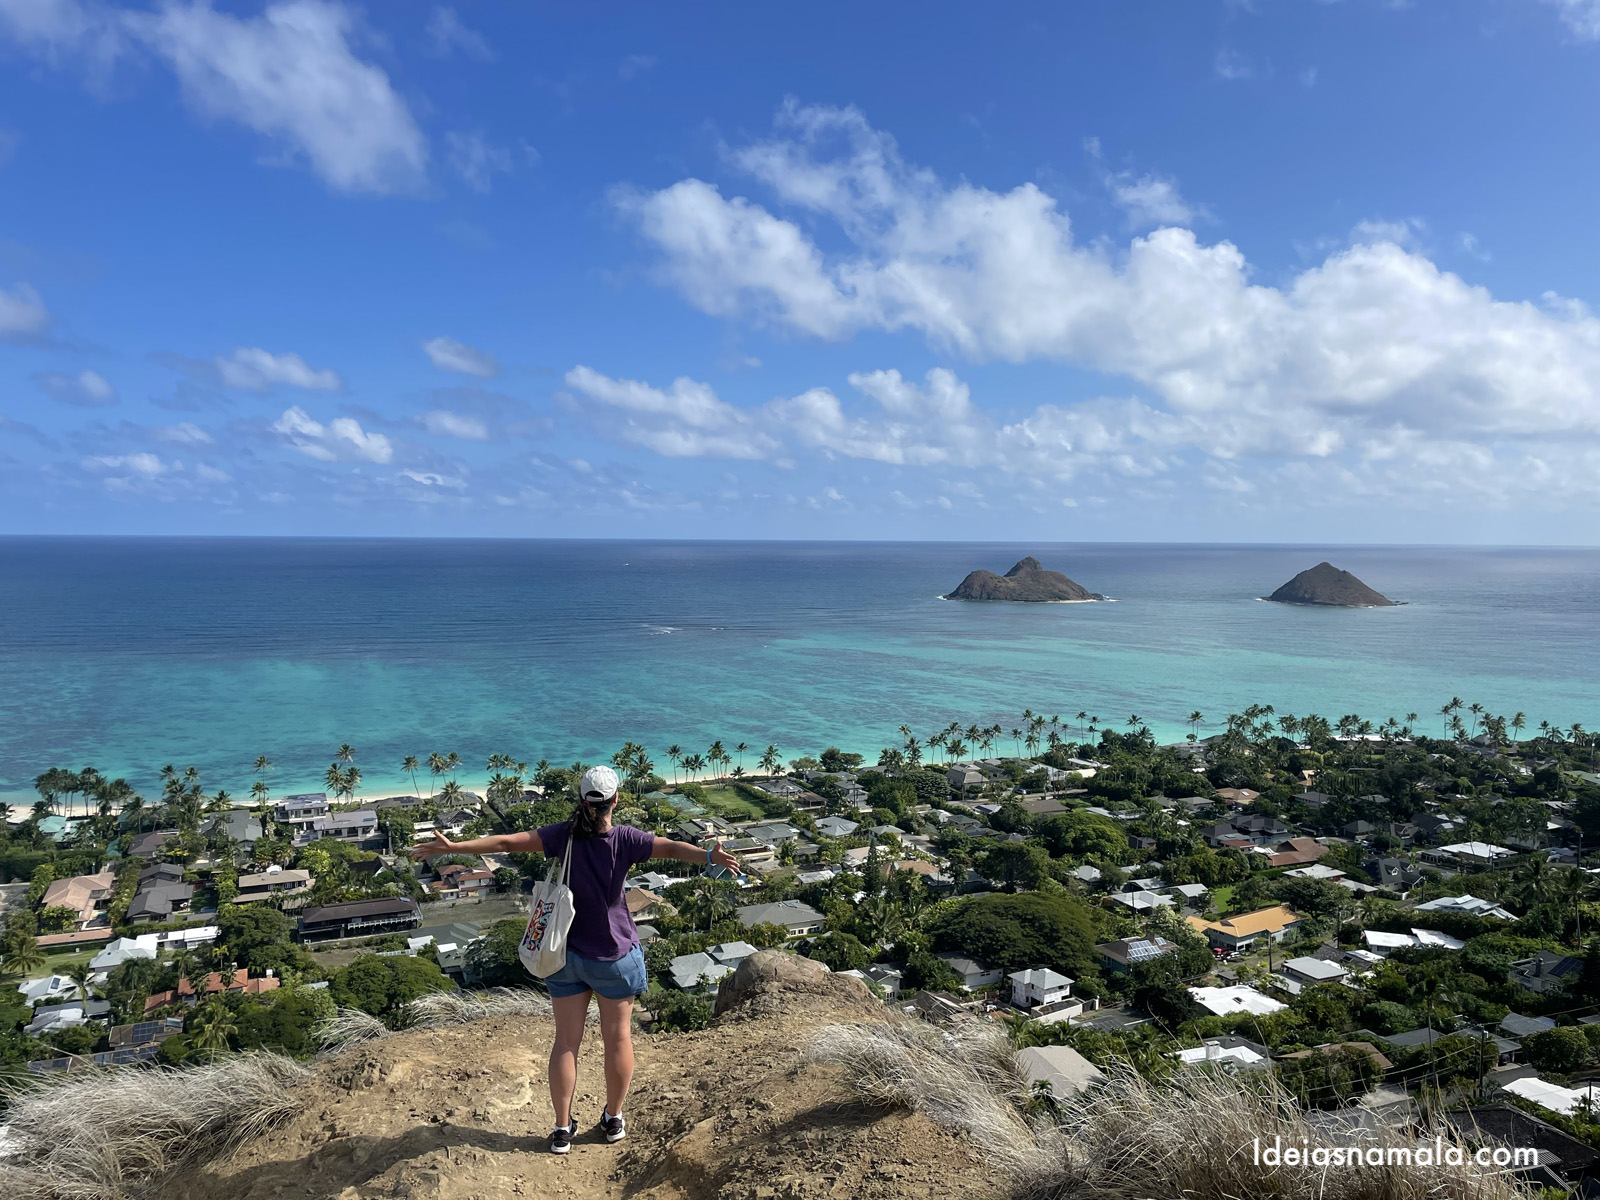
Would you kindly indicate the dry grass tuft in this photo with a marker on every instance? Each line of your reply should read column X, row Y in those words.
column 351, row 1027
column 108, row 1134
column 1129, row 1138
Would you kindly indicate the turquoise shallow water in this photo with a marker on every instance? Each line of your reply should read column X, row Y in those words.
column 129, row 653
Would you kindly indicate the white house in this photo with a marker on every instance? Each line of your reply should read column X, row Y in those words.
column 1230, row 1001
column 48, row 988
column 120, row 950
column 1038, row 985
column 1471, row 905
column 1308, row 970
column 1234, row 1053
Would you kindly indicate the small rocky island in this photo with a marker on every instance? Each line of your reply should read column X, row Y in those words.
column 1326, row 584
column 1027, row 581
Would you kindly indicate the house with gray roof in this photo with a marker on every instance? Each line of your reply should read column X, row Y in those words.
column 796, row 917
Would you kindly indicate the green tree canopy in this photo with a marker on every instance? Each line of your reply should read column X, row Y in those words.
column 1029, row 929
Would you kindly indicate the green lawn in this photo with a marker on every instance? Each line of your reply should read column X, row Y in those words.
column 730, row 806
column 61, row 962
column 1221, row 897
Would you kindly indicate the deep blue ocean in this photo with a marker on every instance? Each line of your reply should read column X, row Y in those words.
column 128, row 653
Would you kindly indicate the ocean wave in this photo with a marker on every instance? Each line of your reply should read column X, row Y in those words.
column 659, row 630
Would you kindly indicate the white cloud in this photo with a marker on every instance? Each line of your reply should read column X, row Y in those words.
column 209, row 474
column 1582, row 17
column 476, row 160
column 433, row 479
column 289, row 74
column 1231, row 65
column 684, row 421
column 23, row 315
column 449, row 35
column 450, row 355
column 184, row 433
column 444, row 423
column 142, row 463
column 87, row 389
column 635, row 65
column 1374, row 346
column 1150, row 200
column 255, row 370
column 340, row 439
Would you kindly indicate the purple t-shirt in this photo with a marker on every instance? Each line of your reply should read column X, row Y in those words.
column 601, row 925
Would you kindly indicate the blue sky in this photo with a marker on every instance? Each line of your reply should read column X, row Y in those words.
column 1276, row 271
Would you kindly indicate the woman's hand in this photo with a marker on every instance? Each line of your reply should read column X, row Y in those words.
column 723, row 859
column 438, row 845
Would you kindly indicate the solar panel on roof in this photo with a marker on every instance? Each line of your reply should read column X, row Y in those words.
column 1142, row 951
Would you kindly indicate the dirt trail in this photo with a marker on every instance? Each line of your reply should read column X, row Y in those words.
column 729, row 1112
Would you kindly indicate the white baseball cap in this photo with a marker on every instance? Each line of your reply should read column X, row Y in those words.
column 598, row 783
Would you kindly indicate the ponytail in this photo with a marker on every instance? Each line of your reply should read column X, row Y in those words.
column 588, row 820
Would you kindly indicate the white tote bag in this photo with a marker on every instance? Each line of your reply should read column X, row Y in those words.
column 544, row 942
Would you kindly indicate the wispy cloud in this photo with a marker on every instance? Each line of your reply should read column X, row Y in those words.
column 450, row 355
column 87, row 389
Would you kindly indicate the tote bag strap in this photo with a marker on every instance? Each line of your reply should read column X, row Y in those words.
column 563, row 873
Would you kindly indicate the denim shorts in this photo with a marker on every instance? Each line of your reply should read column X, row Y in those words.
column 621, row 979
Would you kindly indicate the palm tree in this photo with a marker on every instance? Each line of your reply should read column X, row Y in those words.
column 693, row 765
column 1195, row 718
column 450, row 791
column 333, row 778
column 740, row 751
column 675, row 756
column 351, row 781
column 1016, row 736
column 410, row 766
column 452, row 762
column 437, row 766
column 770, row 760
column 344, row 753
column 215, row 1029
column 258, row 793
column 1519, row 723
column 80, row 975
column 21, row 956
column 716, row 755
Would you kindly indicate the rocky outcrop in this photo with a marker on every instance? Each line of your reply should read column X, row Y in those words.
column 1326, row 584
column 1027, row 581
column 772, row 982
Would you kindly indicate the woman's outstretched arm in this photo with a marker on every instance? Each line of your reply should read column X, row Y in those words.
column 689, row 852
column 504, row 843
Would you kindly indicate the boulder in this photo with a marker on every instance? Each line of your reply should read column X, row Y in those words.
column 774, row 981
column 1027, row 581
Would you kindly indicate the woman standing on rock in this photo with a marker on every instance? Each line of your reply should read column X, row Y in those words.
column 603, row 955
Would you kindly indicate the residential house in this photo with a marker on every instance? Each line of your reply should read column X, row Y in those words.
column 1393, row 874
column 1296, row 852
column 1233, row 1000
column 299, row 812
column 1237, row 797
column 1307, row 970
column 973, row 974
column 1086, row 873
column 1044, row 806
column 1470, row 906
column 1233, row 933
column 1124, row 954
column 148, row 845
column 1061, row 1069
column 1142, row 900
column 1227, row 1053
column 214, row 984
column 158, row 874
column 461, row 882
column 1518, row 1026
column 359, row 918
column 645, row 905
column 964, row 778
column 691, row 972
column 122, row 950
column 358, row 828
column 1044, row 995
column 273, row 883
column 796, row 917
column 836, row 827
column 1316, row 871
column 774, row 833
column 1383, row 942
column 1367, row 1048
column 50, row 987
column 783, row 789
column 1466, row 856
column 65, row 1016
column 1358, row 829
column 1192, row 894
column 1546, row 973
column 240, row 824
column 1565, row 1164
column 86, row 895
column 654, row 880
column 160, row 903
column 750, row 852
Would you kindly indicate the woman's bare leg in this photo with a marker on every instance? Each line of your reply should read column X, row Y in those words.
column 616, row 1033
column 570, row 1013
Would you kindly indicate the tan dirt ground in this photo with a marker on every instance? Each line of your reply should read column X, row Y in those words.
column 728, row 1112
